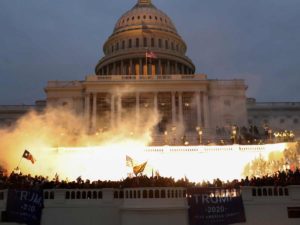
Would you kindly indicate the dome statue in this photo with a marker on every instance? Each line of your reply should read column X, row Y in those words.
column 144, row 42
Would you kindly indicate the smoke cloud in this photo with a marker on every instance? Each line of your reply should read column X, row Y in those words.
column 43, row 135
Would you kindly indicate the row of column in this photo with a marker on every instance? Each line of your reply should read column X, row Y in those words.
column 115, row 118
column 139, row 67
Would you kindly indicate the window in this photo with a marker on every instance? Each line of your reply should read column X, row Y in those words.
column 282, row 120
column 137, row 42
column 159, row 43
column 152, row 42
column 117, row 46
column 167, row 44
column 129, row 43
column 145, row 42
column 172, row 45
column 123, row 44
column 296, row 121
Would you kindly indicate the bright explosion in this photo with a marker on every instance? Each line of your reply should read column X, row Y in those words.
column 103, row 155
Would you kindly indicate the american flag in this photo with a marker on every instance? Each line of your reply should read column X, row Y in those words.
column 151, row 55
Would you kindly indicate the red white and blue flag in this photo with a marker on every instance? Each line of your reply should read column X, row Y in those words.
column 27, row 155
column 151, row 55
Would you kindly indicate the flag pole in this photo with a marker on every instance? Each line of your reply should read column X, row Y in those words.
column 19, row 163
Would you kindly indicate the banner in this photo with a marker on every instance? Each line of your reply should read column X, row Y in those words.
column 206, row 208
column 24, row 206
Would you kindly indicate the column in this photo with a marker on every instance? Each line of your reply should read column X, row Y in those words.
column 159, row 67
column 87, row 109
column 114, row 69
column 173, row 108
column 130, row 67
column 122, row 67
column 206, row 110
column 198, row 109
column 155, row 103
column 141, row 67
column 180, row 107
column 168, row 67
column 137, row 107
column 112, row 110
column 119, row 109
column 94, row 117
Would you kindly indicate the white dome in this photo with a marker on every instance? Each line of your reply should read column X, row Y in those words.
column 144, row 15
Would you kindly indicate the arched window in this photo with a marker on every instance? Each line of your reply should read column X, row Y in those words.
column 145, row 42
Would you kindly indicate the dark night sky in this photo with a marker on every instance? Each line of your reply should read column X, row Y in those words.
column 255, row 40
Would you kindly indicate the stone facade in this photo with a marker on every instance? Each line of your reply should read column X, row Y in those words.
column 145, row 69
column 159, row 206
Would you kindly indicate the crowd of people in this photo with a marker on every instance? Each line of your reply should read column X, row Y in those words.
column 15, row 180
column 253, row 134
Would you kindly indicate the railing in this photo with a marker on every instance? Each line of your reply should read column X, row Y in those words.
column 149, row 193
column 174, row 77
column 220, row 148
column 235, row 82
column 269, row 191
column 56, row 84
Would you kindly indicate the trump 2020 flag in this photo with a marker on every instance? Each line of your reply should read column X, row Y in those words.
column 27, row 155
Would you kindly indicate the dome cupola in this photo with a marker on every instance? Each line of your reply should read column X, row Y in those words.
column 144, row 42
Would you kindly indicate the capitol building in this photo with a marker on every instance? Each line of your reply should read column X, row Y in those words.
column 145, row 69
